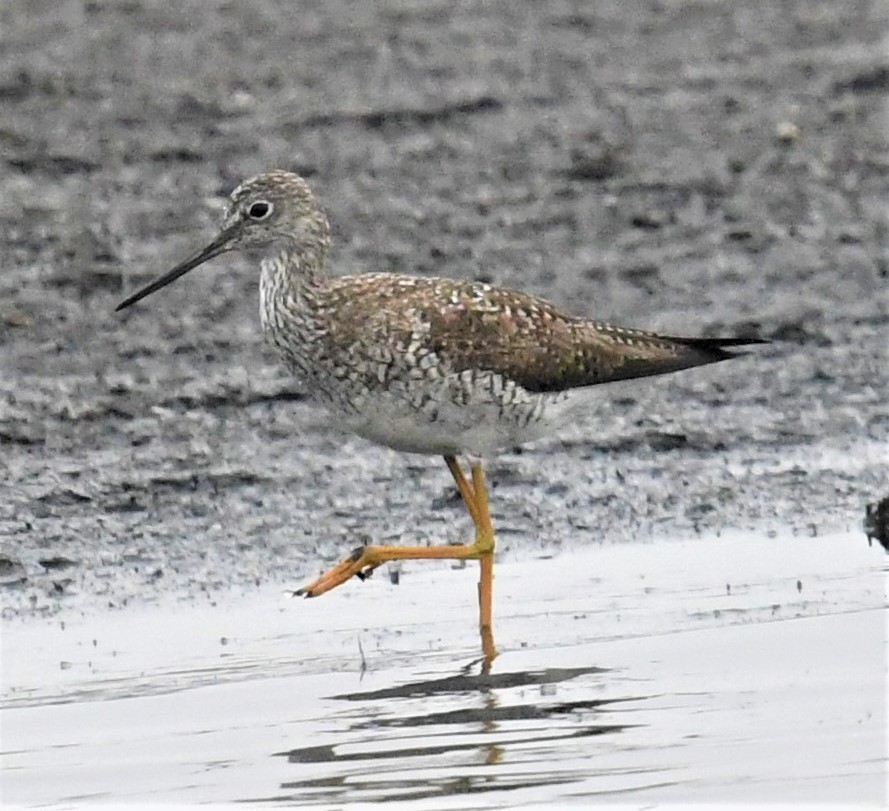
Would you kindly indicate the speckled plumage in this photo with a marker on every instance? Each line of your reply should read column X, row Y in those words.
column 428, row 365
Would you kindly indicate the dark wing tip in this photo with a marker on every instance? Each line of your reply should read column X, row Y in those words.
column 716, row 349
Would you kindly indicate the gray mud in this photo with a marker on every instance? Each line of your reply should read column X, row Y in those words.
column 710, row 169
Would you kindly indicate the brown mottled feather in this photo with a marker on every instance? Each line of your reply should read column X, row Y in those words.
column 469, row 325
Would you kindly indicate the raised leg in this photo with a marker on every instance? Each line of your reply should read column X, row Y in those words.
column 464, row 488
column 365, row 559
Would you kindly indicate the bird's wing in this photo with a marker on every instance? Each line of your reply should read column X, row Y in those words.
column 470, row 325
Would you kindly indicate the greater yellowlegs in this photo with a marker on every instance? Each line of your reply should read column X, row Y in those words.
column 425, row 365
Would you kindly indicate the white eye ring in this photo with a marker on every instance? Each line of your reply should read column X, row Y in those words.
column 260, row 210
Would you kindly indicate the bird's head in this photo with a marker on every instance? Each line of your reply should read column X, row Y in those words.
column 272, row 212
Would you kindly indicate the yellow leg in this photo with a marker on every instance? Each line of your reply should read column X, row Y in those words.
column 484, row 541
column 365, row 559
column 475, row 497
column 464, row 488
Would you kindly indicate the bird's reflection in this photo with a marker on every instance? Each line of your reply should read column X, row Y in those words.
column 446, row 729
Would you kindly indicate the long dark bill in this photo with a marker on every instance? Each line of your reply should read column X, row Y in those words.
column 221, row 244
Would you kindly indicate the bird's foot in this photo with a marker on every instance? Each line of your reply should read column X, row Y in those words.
column 363, row 560
column 356, row 565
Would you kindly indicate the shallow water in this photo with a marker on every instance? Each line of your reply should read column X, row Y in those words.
column 721, row 670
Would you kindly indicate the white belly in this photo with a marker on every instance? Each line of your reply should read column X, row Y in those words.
column 477, row 428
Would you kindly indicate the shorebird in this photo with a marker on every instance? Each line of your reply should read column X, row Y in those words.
column 425, row 365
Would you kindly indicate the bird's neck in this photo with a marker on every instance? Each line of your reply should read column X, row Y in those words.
column 294, row 272
column 291, row 286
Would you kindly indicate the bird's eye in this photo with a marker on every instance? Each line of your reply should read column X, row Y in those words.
column 259, row 210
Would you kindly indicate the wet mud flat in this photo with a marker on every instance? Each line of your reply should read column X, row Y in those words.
column 701, row 170
column 716, row 670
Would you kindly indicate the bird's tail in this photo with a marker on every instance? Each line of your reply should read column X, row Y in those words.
column 712, row 350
